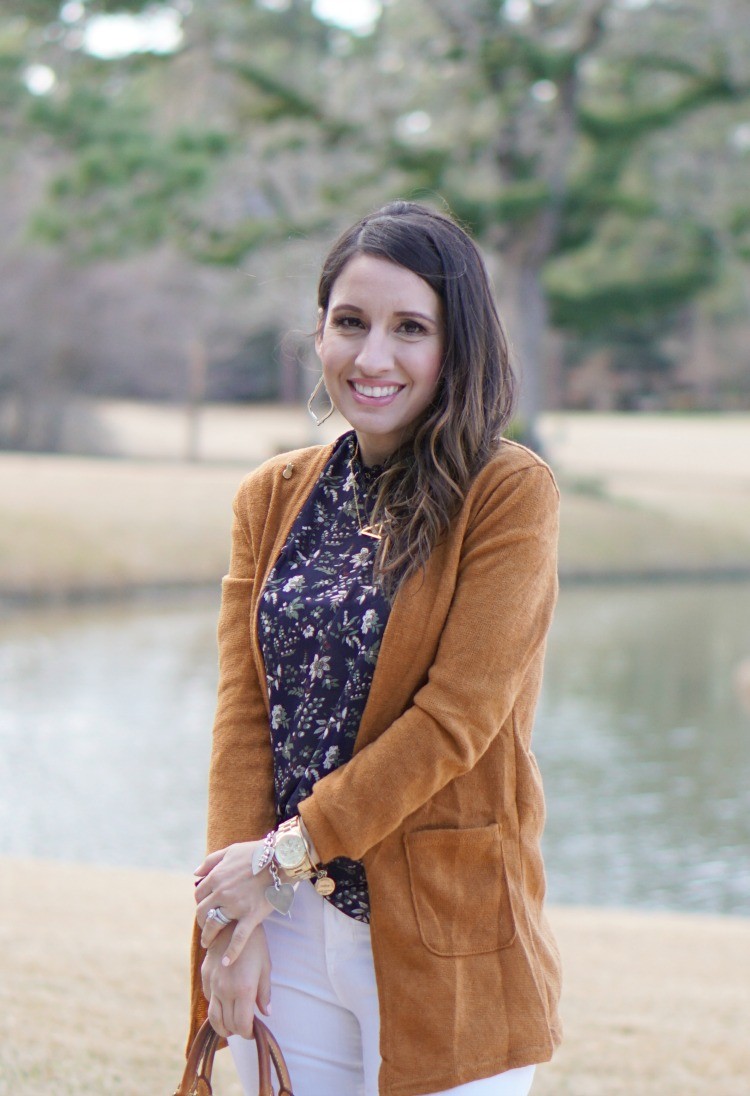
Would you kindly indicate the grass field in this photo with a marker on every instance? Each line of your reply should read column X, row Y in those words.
column 94, row 994
column 638, row 498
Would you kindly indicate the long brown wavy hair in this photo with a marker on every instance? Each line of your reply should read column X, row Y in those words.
column 425, row 481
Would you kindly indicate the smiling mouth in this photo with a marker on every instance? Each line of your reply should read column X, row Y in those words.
column 375, row 391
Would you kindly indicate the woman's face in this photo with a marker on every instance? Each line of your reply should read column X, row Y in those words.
column 381, row 347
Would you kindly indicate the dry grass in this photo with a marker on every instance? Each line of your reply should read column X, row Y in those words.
column 93, row 995
column 82, row 523
column 626, row 535
column 643, row 492
column 629, row 506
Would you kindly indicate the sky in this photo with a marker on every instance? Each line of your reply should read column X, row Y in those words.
column 160, row 31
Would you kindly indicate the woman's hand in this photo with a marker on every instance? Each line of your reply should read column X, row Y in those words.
column 233, row 992
column 227, row 881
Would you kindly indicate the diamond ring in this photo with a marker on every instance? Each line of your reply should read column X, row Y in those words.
column 217, row 914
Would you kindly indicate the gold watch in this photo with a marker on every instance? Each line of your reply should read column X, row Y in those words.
column 291, row 852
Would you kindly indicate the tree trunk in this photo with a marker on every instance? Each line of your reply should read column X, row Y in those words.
column 527, row 326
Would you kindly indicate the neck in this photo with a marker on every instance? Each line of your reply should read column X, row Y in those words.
column 370, row 456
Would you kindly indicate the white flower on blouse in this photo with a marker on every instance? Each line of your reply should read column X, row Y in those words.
column 331, row 758
column 369, row 621
column 309, row 632
column 296, row 582
column 279, row 718
column 320, row 666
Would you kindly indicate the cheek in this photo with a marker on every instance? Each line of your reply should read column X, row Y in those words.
column 327, row 360
column 431, row 374
column 323, row 350
column 331, row 365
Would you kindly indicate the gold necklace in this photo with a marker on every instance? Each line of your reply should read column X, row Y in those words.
column 368, row 530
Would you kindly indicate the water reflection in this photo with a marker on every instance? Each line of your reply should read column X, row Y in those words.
column 643, row 745
column 103, row 733
column 645, row 748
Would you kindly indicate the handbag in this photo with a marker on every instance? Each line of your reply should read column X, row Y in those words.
column 196, row 1080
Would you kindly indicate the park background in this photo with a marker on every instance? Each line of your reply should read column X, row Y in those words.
column 170, row 175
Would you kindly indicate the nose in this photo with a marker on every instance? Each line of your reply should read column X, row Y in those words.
column 375, row 355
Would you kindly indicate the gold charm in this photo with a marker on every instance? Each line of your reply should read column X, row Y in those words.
column 324, row 884
column 287, row 473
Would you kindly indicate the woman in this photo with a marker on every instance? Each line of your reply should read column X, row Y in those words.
column 381, row 643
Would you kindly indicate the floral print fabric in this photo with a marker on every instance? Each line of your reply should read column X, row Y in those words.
column 321, row 620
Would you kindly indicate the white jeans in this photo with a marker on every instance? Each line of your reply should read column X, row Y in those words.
column 325, row 1008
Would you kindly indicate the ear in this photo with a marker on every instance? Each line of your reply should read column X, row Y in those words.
column 319, row 330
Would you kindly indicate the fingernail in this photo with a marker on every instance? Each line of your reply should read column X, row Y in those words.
column 268, row 1009
column 225, row 961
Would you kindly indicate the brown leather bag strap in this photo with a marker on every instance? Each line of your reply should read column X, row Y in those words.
column 196, row 1080
column 264, row 1059
column 271, row 1054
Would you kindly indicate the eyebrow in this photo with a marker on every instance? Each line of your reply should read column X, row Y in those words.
column 401, row 312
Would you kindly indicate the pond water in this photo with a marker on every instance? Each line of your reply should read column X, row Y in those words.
column 645, row 750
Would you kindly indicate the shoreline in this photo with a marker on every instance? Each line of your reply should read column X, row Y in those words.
column 95, row 994
column 147, row 592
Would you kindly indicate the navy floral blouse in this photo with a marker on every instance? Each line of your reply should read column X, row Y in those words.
column 321, row 621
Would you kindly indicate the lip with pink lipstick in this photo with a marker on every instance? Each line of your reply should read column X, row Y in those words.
column 374, row 395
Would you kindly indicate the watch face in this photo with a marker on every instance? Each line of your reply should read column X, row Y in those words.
column 291, row 851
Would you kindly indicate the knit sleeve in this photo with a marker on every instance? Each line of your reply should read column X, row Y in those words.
column 240, row 755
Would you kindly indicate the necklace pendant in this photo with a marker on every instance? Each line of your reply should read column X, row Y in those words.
column 368, row 531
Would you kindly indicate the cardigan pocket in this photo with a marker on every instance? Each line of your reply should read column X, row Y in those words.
column 459, row 887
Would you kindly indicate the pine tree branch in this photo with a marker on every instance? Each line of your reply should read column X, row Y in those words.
column 287, row 101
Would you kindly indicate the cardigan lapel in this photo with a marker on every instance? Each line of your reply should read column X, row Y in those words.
column 405, row 655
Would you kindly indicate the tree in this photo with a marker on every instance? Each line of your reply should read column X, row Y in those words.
column 547, row 125
column 546, row 142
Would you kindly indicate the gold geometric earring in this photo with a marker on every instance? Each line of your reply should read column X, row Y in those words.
column 313, row 394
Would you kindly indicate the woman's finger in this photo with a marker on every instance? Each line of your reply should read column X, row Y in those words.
column 209, row 863
column 203, row 887
column 206, row 979
column 243, row 930
column 242, row 1016
column 211, row 901
column 211, row 930
column 216, row 1016
column 263, row 996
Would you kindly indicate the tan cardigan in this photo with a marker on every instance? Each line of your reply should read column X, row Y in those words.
column 442, row 799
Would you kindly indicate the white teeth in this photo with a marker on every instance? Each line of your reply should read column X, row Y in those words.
column 369, row 390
